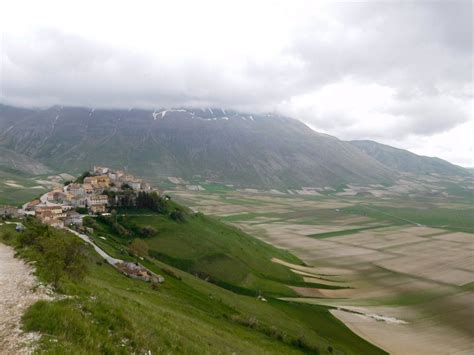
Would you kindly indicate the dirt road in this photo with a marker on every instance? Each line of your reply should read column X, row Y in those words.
column 18, row 290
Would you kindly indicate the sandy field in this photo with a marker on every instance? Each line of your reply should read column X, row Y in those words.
column 407, row 339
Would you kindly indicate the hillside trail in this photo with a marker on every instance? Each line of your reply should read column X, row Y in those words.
column 19, row 289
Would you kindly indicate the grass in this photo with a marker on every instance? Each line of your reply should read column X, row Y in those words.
column 343, row 232
column 429, row 215
column 107, row 312
column 10, row 195
column 215, row 188
column 206, row 247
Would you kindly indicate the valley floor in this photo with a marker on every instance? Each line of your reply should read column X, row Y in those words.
column 408, row 282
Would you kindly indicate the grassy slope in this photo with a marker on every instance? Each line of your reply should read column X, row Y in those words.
column 111, row 313
column 207, row 247
column 10, row 195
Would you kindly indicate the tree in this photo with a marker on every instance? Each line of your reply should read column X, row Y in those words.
column 81, row 178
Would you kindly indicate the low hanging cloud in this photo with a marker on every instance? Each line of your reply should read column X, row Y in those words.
column 379, row 70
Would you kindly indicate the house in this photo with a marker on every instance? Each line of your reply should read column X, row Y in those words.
column 55, row 195
column 98, row 209
column 51, row 215
column 88, row 189
column 73, row 218
column 78, row 202
column 98, row 182
column 76, row 189
column 97, row 200
column 135, row 184
column 46, row 211
column 97, row 203
column 100, row 170
column 32, row 205
column 112, row 176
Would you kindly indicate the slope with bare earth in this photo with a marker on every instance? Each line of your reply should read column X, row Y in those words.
column 18, row 290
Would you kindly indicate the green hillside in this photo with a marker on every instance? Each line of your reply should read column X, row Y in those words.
column 18, row 187
column 203, row 246
column 106, row 312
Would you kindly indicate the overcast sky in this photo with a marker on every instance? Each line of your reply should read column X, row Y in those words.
column 399, row 72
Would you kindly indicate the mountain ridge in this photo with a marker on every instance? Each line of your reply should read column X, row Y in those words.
column 405, row 161
column 260, row 150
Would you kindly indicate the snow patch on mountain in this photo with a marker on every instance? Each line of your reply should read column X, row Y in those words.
column 164, row 112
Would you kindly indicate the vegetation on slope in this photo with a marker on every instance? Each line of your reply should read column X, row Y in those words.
column 106, row 312
column 200, row 245
column 17, row 187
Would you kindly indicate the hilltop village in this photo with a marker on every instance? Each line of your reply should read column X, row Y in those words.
column 93, row 193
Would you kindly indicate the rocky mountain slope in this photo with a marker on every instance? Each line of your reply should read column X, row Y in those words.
column 404, row 161
column 11, row 160
column 219, row 145
column 195, row 144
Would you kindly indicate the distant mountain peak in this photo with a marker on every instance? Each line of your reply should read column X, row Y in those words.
column 217, row 144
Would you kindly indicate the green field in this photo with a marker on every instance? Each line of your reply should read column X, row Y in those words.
column 26, row 190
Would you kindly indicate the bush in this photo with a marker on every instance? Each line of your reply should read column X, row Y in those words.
column 178, row 216
column 63, row 258
column 81, row 178
column 148, row 231
column 59, row 256
column 81, row 210
column 28, row 238
column 138, row 247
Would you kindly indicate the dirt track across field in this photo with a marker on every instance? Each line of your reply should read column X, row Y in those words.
column 18, row 290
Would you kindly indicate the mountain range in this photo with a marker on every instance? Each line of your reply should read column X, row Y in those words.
column 259, row 150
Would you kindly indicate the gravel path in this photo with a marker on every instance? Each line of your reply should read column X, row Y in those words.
column 16, row 295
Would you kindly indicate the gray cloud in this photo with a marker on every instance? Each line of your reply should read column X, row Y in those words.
column 420, row 50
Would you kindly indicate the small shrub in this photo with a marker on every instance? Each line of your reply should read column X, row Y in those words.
column 81, row 210
column 138, row 247
column 80, row 179
column 148, row 231
column 178, row 216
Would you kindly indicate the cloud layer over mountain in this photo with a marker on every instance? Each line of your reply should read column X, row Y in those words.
column 398, row 72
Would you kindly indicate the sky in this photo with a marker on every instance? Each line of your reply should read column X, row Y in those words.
column 398, row 72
